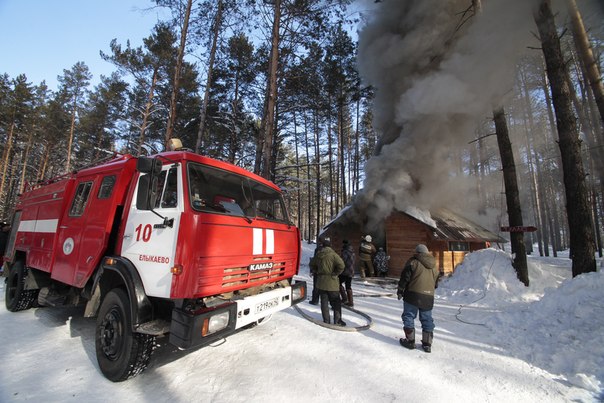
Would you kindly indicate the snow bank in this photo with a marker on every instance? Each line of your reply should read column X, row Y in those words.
column 485, row 278
column 562, row 332
column 555, row 323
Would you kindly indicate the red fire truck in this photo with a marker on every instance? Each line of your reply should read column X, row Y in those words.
column 175, row 243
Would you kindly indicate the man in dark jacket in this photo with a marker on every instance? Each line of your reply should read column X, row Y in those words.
column 328, row 265
column 314, row 299
column 346, row 276
column 416, row 287
column 4, row 235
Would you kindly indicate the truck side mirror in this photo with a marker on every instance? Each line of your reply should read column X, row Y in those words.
column 147, row 184
column 147, row 165
column 147, row 194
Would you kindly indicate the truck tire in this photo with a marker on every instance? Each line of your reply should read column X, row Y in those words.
column 121, row 353
column 16, row 297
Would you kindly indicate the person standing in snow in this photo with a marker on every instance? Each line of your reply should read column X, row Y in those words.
column 4, row 235
column 366, row 252
column 416, row 287
column 314, row 299
column 328, row 265
column 346, row 277
column 381, row 262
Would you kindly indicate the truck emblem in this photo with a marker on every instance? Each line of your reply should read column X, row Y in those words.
column 261, row 266
column 68, row 246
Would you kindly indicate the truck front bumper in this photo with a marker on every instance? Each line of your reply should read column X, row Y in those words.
column 192, row 329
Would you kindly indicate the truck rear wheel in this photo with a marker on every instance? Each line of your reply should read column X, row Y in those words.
column 16, row 297
column 121, row 354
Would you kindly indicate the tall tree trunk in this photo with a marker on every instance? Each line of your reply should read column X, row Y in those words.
column 233, row 148
column 308, row 178
column 7, row 153
column 318, row 171
column 582, row 247
column 177, row 72
column 512, row 195
column 587, row 57
column 268, row 124
column 206, row 95
column 330, row 156
column 357, row 151
column 342, row 153
column 147, row 112
column 298, row 192
column 597, row 220
column 71, row 133
column 25, row 165
column 542, row 234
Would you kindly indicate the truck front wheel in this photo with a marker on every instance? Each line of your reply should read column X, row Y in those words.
column 16, row 297
column 121, row 354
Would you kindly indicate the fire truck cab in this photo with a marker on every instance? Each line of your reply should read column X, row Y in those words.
column 175, row 244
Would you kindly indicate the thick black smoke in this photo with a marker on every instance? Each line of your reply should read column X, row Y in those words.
column 438, row 71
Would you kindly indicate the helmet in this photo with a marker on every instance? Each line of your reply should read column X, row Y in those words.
column 368, row 238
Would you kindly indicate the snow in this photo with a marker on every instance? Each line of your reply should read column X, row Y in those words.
column 495, row 340
column 421, row 215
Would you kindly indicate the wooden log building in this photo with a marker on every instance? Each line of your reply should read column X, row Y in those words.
column 447, row 235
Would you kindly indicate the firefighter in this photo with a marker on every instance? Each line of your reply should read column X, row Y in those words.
column 366, row 252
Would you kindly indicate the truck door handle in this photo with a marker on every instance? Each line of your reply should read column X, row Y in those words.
column 127, row 236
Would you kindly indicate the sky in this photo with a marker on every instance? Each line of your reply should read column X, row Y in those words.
column 495, row 341
column 41, row 38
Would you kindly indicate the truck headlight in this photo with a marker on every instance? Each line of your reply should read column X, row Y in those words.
column 298, row 292
column 215, row 323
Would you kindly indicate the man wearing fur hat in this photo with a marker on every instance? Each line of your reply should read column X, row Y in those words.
column 416, row 287
column 366, row 252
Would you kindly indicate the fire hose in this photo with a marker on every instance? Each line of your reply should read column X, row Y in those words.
column 336, row 327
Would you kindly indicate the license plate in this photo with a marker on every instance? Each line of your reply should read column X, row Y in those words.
column 263, row 306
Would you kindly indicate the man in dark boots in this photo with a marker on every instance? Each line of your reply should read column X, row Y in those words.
column 366, row 252
column 409, row 340
column 328, row 265
column 346, row 276
column 427, row 341
column 314, row 300
column 416, row 287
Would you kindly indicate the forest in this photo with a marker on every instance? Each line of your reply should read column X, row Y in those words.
column 494, row 108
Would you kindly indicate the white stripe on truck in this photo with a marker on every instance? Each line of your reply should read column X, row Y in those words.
column 39, row 226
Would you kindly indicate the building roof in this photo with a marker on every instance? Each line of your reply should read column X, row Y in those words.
column 446, row 224
column 451, row 226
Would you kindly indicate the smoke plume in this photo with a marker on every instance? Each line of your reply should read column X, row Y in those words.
column 438, row 71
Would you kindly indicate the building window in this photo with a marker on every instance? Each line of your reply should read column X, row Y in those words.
column 79, row 201
column 459, row 246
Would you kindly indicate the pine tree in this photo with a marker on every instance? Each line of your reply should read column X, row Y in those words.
column 73, row 87
column 582, row 248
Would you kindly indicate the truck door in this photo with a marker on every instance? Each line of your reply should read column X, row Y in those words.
column 147, row 243
column 69, row 233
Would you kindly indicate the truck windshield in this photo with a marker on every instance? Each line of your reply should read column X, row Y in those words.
column 218, row 191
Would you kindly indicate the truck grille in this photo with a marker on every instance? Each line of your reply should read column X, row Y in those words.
column 236, row 277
